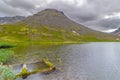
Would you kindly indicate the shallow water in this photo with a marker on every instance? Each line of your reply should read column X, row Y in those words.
column 91, row 61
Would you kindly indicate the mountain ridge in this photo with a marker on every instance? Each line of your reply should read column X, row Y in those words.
column 8, row 20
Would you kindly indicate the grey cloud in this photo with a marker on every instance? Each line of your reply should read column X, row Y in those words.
column 113, row 23
column 105, row 6
column 11, row 11
column 104, row 24
column 24, row 4
column 109, row 23
column 6, row 10
column 80, row 14
column 90, row 13
column 74, row 12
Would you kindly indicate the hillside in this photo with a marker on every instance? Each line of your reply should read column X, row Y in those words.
column 50, row 25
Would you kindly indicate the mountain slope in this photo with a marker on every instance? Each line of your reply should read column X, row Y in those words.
column 50, row 25
column 55, row 19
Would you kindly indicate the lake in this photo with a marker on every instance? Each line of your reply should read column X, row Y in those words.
column 89, row 61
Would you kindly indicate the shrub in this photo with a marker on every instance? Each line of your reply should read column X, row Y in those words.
column 5, row 55
column 6, row 73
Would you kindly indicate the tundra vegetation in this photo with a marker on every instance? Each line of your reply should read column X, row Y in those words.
column 6, row 71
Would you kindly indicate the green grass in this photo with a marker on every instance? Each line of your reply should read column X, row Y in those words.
column 5, row 55
column 7, row 44
column 20, row 33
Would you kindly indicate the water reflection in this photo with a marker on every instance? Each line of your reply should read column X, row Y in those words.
column 92, row 61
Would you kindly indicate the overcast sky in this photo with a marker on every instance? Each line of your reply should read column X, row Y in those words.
column 88, row 12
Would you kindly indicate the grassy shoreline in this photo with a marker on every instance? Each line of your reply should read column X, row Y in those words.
column 24, row 43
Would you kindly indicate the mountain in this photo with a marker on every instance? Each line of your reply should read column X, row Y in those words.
column 5, row 20
column 116, row 32
column 55, row 19
column 50, row 25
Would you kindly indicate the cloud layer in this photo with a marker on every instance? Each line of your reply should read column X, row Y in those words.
column 83, row 11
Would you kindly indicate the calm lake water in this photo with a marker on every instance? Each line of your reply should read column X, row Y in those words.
column 90, row 61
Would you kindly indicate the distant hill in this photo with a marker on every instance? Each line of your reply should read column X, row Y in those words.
column 51, row 25
column 116, row 32
column 5, row 20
